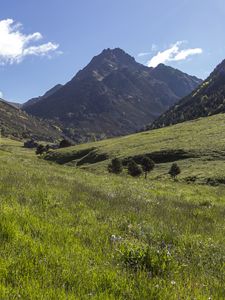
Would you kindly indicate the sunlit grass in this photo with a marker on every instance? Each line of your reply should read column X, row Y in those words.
column 66, row 233
column 203, row 140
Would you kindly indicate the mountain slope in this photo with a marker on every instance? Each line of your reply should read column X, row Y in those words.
column 113, row 95
column 208, row 99
column 17, row 123
column 197, row 146
column 37, row 99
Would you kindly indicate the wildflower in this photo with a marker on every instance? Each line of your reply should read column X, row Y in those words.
column 173, row 282
column 115, row 238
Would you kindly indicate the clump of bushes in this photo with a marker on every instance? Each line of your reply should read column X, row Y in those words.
column 115, row 166
column 134, row 169
column 30, row 144
column 65, row 143
column 41, row 149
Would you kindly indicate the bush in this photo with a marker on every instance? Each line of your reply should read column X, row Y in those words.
column 40, row 149
column 65, row 143
column 30, row 144
column 115, row 166
column 134, row 169
column 147, row 165
column 174, row 171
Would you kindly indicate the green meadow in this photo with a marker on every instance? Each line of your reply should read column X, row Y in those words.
column 197, row 146
column 71, row 230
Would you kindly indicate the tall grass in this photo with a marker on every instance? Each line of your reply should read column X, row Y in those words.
column 69, row 234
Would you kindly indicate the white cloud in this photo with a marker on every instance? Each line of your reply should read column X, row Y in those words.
column 142, row 54
column 153, row 49
column 174, row 53
column 1, row 95
column 14, row 45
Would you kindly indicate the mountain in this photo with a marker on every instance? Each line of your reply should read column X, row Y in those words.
column 17, row 123
column 208, row 99
column 113, row 95
column 37, row 99
column 17, row 105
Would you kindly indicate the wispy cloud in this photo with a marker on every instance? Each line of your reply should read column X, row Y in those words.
column 174, row 53
column 153, row 49
column 15, row 46
column 142, row 54
column 1, row 95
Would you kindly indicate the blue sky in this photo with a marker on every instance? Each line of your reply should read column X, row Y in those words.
column 46, row 42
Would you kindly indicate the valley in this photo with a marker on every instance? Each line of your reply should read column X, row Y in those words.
column 197, row 146
column 68, row 233
column 112, row 161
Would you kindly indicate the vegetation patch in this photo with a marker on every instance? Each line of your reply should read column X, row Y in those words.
column 81, row 235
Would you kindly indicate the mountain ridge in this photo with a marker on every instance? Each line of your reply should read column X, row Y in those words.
column 16, row 123
column 113, row 95
column 208, row 99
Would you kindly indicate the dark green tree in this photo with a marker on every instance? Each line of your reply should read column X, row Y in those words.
column 134, row 169
column 47, row 148
column 115, row 166
column 147, row 165
column 174, row 170
column 40, row 149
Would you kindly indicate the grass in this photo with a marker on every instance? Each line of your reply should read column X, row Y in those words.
column 201, row 144
column 66, row 233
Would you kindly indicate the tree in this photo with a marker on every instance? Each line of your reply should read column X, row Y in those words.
column 115, row 166
column 47, row 148
column 147, row 165
column 30, row 144
column 174, row 171
column 40, row 149
column 134, row 169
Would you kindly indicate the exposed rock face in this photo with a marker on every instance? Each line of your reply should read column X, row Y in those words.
column 17, row 123
column 208, row 99
column 113, row 95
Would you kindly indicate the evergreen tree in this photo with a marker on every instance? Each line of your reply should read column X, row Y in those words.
column 40, row 149
column 115, row 166
column 147, row 165
column 134, row 169
column 174, row 171
column 47, row 147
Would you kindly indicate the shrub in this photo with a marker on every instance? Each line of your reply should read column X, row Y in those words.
column 65, row 143
column 40, row 149
column 134, row 169
column 147, row 165
column 174, row 171
column 30, row 144
column 115, row 166
column 47, row 147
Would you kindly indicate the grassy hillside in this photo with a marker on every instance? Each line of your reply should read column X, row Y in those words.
column 206, row 100
column 197, row 146
column 18, row 124
column 66, row 233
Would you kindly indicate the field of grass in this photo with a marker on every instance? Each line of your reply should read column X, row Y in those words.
column 67, row 233
column 198, row 146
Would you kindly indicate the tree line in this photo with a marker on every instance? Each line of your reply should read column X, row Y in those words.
column 135, row 170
